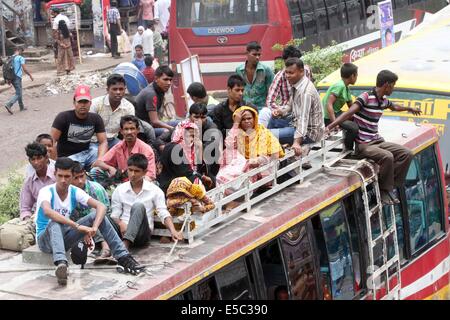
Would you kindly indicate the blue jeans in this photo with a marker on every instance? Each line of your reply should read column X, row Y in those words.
column 159, row 131
column 86, row 157
column 58, row 238
column 17, row 84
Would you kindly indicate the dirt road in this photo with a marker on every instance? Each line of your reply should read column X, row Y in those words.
column 22, row 127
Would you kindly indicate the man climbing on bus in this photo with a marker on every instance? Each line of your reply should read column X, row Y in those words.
column 336, row 97
column 257, row 76
column 392, row 158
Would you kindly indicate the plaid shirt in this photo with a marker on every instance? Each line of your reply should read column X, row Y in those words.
column 113, row 15
column 307, row 110
column 278, row 95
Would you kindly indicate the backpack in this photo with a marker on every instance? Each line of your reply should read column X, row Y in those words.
column 9, row 74
column 17, row 235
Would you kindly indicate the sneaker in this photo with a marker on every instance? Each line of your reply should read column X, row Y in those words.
column 385, row 198
column 393, row 198
column 127, row 264
column 61, row 272
column 24, row 109
column 9, row 109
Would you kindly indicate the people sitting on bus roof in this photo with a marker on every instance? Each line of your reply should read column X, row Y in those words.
column 56, row 231
column 111, row 168
column 43, row 175
column 47, row 141
column 222, row 114
column 112, row 107
column 392, row 158
column 257, row 76
column 183, row 157
column 210, row 136
column 305, row 107
column 249, row 145
column 181, row 191
column 97, row 192
column 73, row 130
column 279, row 93
column 197, row 92
column 336, row 97
column 149, row 102
column 138, row 59
column 133, row 204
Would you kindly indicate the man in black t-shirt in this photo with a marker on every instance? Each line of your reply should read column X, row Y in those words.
column 149, row 102
column 73, row 130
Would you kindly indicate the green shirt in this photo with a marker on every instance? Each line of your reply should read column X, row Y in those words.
column 256, row 92
column 96, row 191
column 342, row 94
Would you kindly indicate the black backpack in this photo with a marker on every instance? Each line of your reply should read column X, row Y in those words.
column 9, row 74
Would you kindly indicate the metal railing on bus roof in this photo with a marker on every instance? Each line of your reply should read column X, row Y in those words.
column 326, row 152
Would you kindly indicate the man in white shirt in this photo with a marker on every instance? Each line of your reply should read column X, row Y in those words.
column 133, row 203
column 112, row 107
column 57, row 16
column 162, row 14
column 55, row 231
column 147, row 41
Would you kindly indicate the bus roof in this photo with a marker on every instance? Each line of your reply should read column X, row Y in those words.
column 192, row 262
column 421, row 60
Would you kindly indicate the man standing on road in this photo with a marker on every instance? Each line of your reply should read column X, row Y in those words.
column 73, row 130
column 147, row 41
column 19, row 68
column 56, row 232
column 57, row 16
column 114, row 27
column 257, row 76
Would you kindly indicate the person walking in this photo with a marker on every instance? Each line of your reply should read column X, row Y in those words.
column 64, row 61
column 19, row 68
column 145, row 12
column 114, row 28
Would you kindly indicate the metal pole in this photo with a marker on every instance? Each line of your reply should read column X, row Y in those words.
column 2, row 27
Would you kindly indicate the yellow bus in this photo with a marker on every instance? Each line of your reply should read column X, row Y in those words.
column 422, row 63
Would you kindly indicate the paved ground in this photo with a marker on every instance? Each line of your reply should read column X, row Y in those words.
column 22, row 127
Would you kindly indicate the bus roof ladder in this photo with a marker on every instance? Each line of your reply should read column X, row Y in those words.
column 324, row 153
column 388, row 274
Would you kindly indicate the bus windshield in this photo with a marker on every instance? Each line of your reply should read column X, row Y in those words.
column 213, row 13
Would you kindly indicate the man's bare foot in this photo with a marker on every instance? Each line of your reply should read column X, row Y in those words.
column 230, row 206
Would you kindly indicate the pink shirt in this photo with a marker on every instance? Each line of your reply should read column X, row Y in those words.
column 147, row 9
column 118, row 155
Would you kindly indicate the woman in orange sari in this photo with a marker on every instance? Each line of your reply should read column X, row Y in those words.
column 249, row 145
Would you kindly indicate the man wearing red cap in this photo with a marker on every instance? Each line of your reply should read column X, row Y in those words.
column 73, row 130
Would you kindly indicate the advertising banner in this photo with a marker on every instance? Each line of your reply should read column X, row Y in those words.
column 386, row 18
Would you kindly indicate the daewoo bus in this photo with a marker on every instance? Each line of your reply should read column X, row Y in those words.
column 318, row 234
column 218, row 30
column 423, row 75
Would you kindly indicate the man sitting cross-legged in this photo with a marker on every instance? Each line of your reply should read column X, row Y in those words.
column 133, row 203
column 111, row 168
column 96, row 191
column 56, row 233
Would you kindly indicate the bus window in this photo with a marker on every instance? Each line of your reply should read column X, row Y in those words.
column 201, row 13
column 305, row 9
column 300, row 265
column 321, row 14
column 335, row 14
column 399, row 3
column 415, row 198
column 336, row 238
column 206, row 290
column 353, row 10
column 233, row 282
column 433, row 192
column 273, row 270
column 400, row 229
column 298, row 29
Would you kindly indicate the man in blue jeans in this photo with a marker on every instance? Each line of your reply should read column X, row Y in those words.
column 19, row 69
column 56, row 232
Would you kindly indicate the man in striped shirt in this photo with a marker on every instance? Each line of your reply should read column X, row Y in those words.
column 114, row 27
column 392, row 158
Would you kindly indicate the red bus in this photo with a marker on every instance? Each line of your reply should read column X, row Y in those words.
column 217, row 31
column 327, row 237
